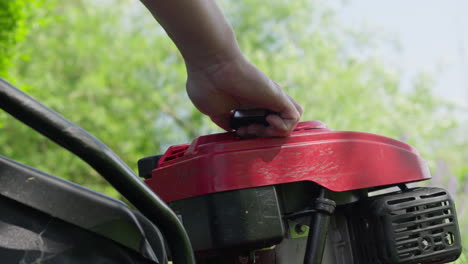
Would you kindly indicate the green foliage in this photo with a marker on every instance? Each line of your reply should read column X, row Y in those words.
column 90, row 66
column 14, row 26
column 12, row 29
column 112, row 70
column 109, row 67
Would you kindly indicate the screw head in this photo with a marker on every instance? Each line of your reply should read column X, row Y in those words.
column 449, row 238
column 426, row 243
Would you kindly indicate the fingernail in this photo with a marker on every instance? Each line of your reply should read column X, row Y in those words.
column 285, row 127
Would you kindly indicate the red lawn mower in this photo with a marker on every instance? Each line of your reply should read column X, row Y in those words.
column 317, row 196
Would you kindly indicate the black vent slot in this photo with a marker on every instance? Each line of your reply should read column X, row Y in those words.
column 173, row 153
column 361, row 232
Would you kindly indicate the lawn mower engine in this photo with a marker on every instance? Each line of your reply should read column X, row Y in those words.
column 317, row 196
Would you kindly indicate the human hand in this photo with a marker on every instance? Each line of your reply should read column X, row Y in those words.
column 218, row 88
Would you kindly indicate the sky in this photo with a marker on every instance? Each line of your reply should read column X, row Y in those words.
column 433, row 35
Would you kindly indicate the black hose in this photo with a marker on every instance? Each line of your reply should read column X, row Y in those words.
column 318, row 228
column 103, row 160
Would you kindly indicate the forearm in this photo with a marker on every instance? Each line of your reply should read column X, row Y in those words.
column 198, row 28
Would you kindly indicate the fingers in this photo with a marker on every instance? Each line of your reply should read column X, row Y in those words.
column 240, row 85
column 280, row 125
column 222, row 121
column 283, row 124
column 296, row 104
column 253, row 130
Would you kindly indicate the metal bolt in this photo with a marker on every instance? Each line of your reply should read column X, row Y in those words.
column 426, row 243
column 300, row 229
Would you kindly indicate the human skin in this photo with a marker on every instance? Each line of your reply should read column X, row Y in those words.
column 219, row 77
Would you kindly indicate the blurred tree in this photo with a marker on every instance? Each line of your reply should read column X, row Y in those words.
column 12, row 29
column 111, row 69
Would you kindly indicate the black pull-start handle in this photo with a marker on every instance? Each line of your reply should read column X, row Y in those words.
column 240, row 118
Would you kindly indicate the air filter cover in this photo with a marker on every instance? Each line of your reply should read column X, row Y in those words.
column 336, row 160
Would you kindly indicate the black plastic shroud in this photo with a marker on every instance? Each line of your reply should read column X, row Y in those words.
column 103, row 160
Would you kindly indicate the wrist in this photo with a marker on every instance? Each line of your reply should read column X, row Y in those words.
column 225, row 52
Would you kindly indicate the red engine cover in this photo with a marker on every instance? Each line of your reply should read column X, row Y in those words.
column 337, row 160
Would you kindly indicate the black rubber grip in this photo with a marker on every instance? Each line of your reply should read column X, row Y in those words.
column 242, row 118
